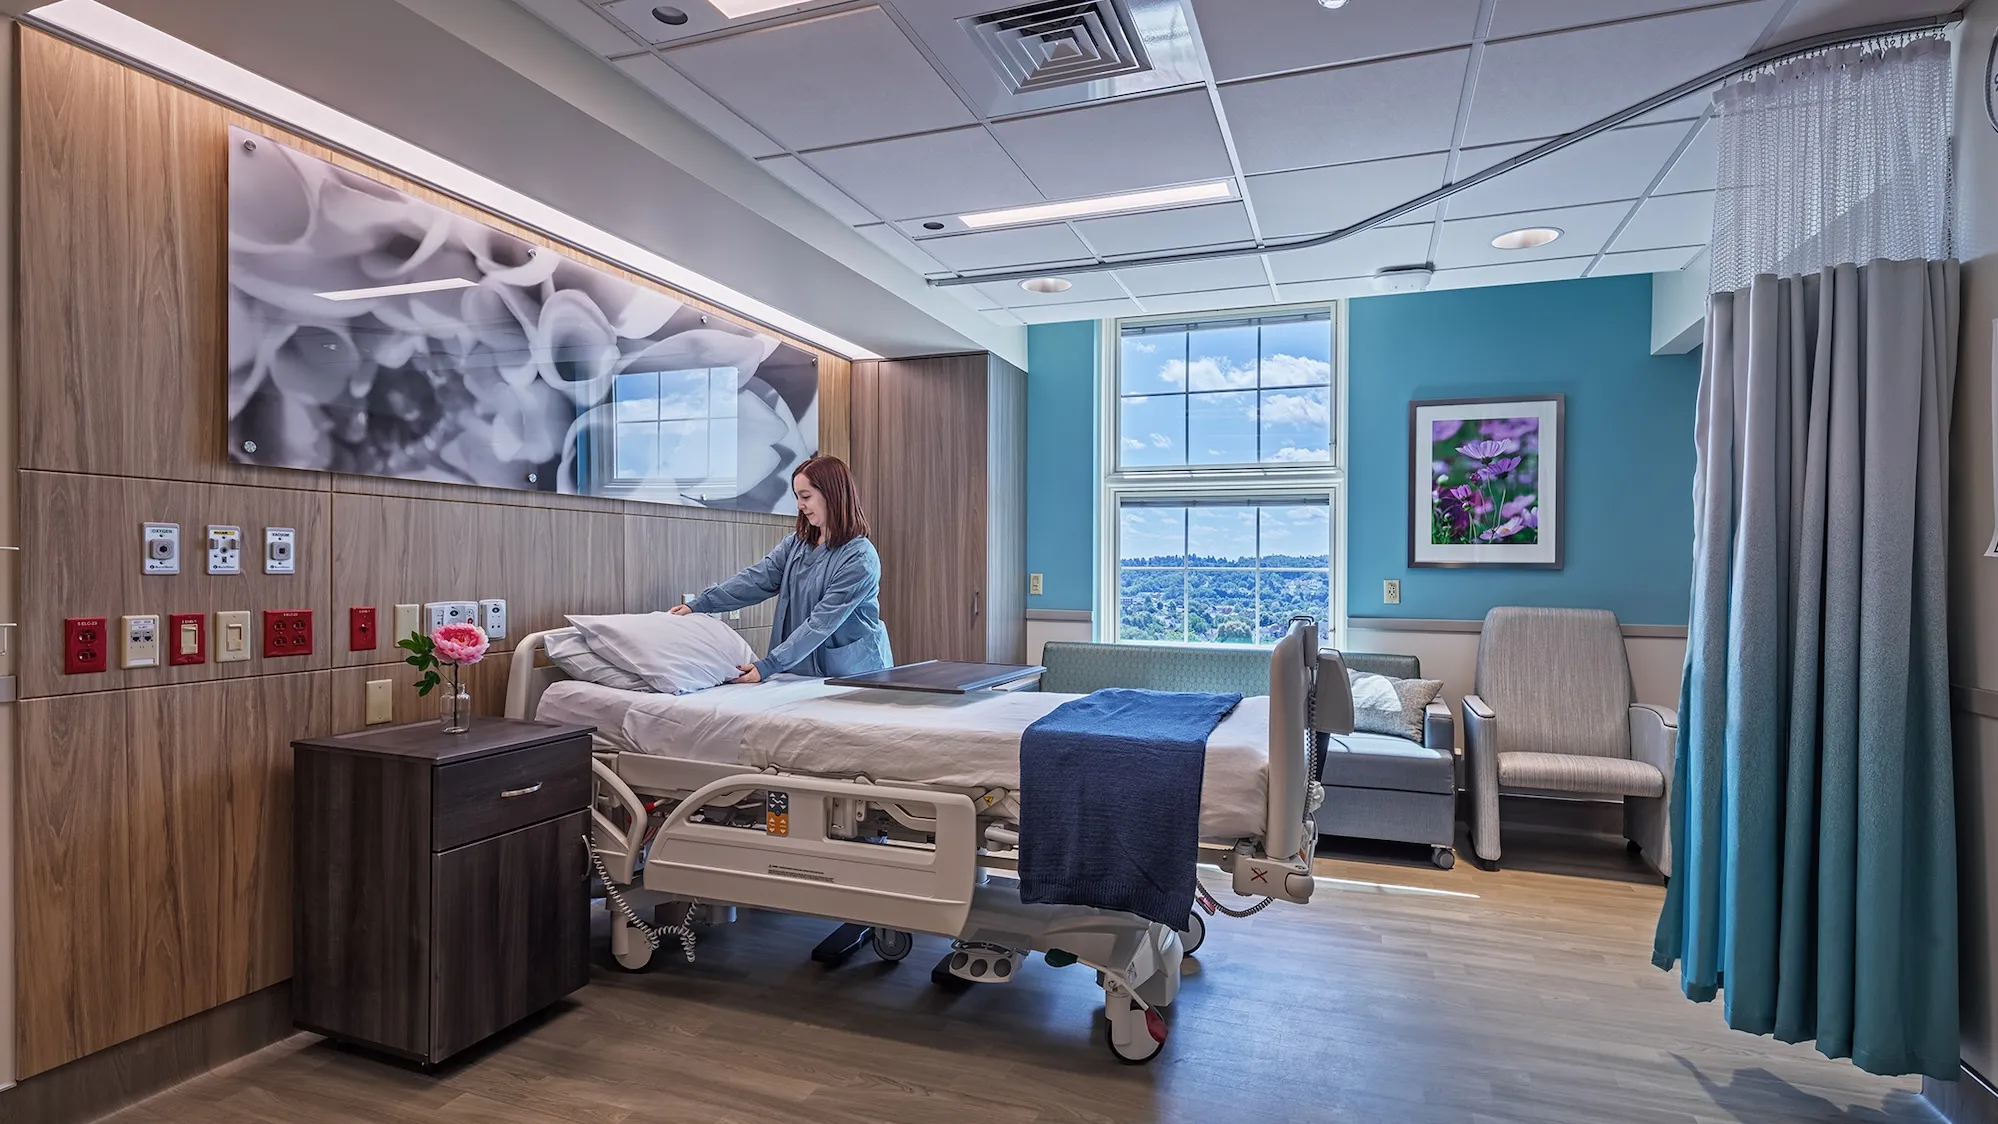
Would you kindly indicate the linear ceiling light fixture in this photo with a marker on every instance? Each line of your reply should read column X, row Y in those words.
column 736, row 9
column 1101, row 205
column 152, row 49
column 407, row 288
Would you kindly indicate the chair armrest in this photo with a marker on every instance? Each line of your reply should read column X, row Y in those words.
column 1480, row 744
column 1654, row 736
column 1439, row 728
column 1473, row 705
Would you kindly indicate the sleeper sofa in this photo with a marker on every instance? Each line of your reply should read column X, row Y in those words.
column 1377, row 786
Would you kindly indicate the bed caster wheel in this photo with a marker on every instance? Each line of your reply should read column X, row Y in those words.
column 1443, row 857
column 637, row 958
column 1135, row 1036
column 892, row 945
column 1195, row 935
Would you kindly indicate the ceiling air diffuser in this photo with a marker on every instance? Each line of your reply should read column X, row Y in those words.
column 1059, row 43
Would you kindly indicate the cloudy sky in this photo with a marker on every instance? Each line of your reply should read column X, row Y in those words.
column 1232, row 395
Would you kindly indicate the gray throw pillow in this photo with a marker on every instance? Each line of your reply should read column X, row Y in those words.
column 1384, row 705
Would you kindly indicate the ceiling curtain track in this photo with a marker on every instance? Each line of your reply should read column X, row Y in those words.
column 1760, row 61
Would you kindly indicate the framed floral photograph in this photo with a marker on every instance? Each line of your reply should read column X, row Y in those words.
column 1485, row 482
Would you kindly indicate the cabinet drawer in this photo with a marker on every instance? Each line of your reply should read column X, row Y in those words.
column 479, row 799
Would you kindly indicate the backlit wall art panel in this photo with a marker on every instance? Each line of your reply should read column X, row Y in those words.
column 375, row 333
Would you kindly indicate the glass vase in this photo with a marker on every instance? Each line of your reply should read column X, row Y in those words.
column 454, row 706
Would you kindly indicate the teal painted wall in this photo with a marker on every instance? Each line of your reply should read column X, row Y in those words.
column 1061, row 463
column 1629, row 433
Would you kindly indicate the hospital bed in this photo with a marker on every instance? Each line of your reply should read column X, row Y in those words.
column 899, row 812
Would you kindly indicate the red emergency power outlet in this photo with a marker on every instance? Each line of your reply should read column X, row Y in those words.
column 187, row 638
column 361, row 628
column 86, row 645
column 287, row 632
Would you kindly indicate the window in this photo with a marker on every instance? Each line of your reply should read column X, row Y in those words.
column 1221, row 506
column 675, row 425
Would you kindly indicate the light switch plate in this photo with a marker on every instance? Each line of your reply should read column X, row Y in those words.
column 139, row 641
column 437, row 614
column 232, row 640
column 225, row 550
column 162, row 548
column 1033, row 585
column 280, row 550
column 381, row 701
column 1391, row 591
column 492, row 618
column 406, row 621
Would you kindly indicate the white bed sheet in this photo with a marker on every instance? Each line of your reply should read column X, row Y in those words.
column 960, row 741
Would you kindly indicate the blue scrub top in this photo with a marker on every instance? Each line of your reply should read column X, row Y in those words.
column 828, row 608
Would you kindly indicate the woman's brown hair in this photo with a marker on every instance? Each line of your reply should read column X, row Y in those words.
column 845, row 521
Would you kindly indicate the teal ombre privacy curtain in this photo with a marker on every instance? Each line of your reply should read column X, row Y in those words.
column 1813, row 822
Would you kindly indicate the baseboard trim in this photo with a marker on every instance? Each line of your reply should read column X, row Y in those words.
column 1969, row 1099
column 96, row 1086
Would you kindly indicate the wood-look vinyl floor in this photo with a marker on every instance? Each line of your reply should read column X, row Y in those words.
column 1401, row 994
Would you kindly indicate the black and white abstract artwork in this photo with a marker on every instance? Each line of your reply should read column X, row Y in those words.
column 374, row 333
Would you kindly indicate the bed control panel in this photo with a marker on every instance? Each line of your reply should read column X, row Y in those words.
column 437, row 614
column 492, row 618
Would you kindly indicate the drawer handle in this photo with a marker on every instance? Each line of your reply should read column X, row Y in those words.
column 528, row 791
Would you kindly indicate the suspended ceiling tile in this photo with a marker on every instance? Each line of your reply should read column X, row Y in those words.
column 1360, row 255
column 1619, row 164
column 637, row 15
column 1670, row 220
column 583, row 23
column 933, row 174
column 903, row 250
column 1099, row 286
column 1002, row 249
column 1318, row 200
column 1512, row 18
column 1213, row 224
column 1248, row 38
column 1684, row 108
column 1645, row 261
column 1117, row 146
column 1817, row 17
column 1214, row 300
column 1369, row 112
column 1187, row 277
column 814, row 187
column 673, row 88
column 1514, row 273
column 1584, row 231
column 834, row 80
column 1326, row 290
column 1551, row 84
column 1002, row 316
column 1064, row 313
column 1696, row 167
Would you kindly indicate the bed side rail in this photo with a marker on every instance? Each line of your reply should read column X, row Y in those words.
column 1282, row 867
column 525, row 681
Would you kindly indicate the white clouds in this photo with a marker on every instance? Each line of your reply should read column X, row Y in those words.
column 1134, row 445
column 1297, row 409
column 1300, row 456
column 1132, row 343
column 1295, row 370
column 1161, row 441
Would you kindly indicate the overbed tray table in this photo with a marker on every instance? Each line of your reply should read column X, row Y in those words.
column 943, row 677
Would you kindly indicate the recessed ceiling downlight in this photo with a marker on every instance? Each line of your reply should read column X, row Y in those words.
column 1529, row 238
column 1047, row 284
column 1334, row 4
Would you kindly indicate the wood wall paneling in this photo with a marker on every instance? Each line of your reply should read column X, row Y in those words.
column 154, row 855
column 81, row 558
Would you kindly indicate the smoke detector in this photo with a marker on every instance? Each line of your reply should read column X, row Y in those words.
column 1055, row 43
column 1403, row 279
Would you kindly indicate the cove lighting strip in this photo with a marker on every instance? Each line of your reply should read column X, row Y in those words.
column 1101, row 205
column 117, row 32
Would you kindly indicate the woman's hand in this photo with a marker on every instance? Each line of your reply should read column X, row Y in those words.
column 680, row 610
column 749, row 674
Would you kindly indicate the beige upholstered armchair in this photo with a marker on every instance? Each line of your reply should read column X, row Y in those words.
column 1553, row 715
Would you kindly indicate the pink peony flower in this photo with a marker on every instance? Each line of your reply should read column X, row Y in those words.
column 459, row 643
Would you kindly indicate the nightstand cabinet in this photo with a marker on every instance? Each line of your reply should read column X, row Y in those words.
column 442, row 881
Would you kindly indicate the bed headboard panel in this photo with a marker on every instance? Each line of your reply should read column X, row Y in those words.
column 528, row 676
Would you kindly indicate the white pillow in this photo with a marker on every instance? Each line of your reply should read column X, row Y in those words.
column 674, row 655
column 568, row 650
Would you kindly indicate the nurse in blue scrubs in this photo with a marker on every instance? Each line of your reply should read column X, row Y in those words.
column 826, row 577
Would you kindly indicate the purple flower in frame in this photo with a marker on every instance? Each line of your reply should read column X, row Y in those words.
column 1453, row 512
column 1495, row 470
column 1443, row 430
column 1531, row 518
column 1504, row 530
column 1439, row 469
column 1486, row 450
column 1518, row 505
column 1463, row 492
column 1508, row 429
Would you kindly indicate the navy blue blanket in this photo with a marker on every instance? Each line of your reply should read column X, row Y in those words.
column 1110, row 801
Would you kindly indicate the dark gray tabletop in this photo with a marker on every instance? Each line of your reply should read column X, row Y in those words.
column 942, row 677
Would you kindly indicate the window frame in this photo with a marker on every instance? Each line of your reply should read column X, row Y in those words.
column 1249, row 483
column 603, row 452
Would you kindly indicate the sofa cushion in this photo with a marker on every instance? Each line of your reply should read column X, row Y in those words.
column 1383, row 704
column 1379, row 761
column 1564, row 772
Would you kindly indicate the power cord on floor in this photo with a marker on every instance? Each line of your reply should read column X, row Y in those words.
column 651, row 933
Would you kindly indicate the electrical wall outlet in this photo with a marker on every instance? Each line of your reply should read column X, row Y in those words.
column 361, row 635
column 225, row 550
column 1391, row 591
column 232, row 636
column 492, row 618
column 287, row 632
column 437, row 614
column 1033, row 585
column 85, row 647
column 279, row 550
column 139, row 641
column 407, row 619
column 187, row 638
column 162, row 547
column 381, row 701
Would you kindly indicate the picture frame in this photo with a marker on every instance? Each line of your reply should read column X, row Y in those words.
column 1486, row 482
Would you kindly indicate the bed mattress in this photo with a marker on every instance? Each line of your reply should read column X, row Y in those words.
column 960, row 741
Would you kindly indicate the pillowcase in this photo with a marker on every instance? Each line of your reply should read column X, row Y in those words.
column 673, row 655
column 568, row 650
column 1385, row 705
